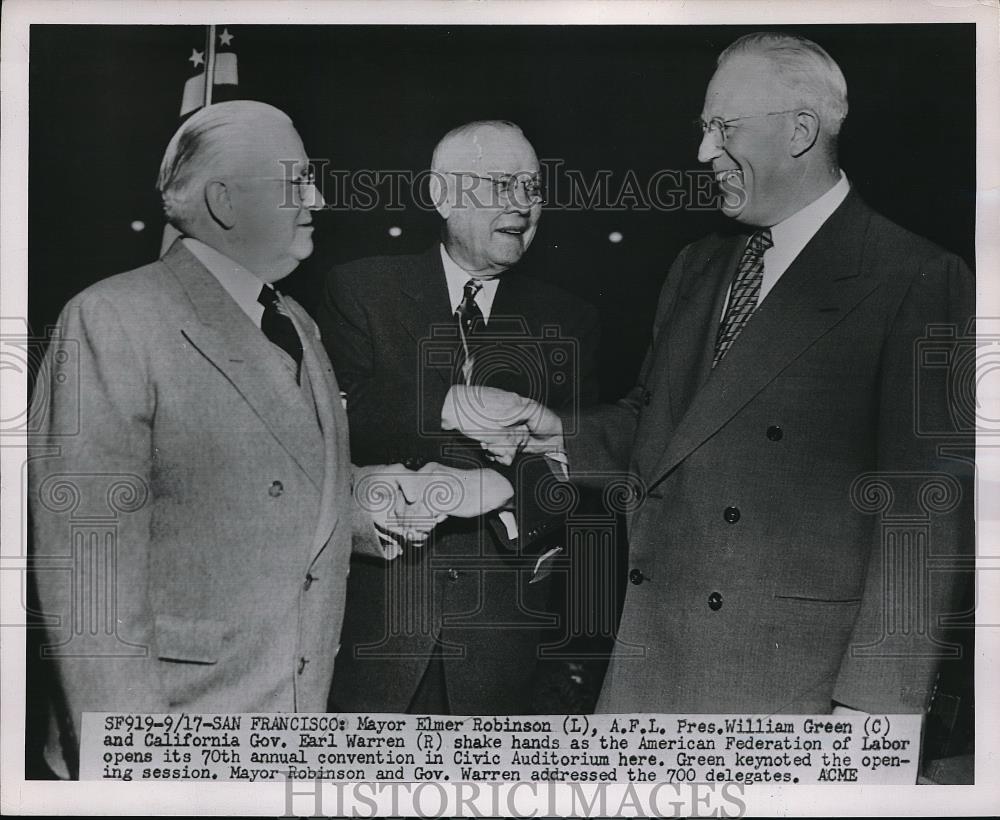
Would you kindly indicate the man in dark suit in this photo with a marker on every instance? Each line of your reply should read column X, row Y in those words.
column 801, row 473
column 455, row 629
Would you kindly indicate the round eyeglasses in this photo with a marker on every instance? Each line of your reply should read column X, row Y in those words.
column 523, row 190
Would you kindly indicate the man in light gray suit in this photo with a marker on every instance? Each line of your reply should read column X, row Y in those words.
column 205, row 436
column 782, row 429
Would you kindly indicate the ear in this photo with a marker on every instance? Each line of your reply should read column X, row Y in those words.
column 806, row 132
column 440, row 193
column 219, row 204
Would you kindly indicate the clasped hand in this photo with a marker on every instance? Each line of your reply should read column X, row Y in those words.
column 408, row 504
column 504, row 423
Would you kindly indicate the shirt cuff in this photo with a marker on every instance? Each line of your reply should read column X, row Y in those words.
column 559, row 463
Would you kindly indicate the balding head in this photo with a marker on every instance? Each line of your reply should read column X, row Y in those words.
column 482, row 184
column 208, row 143
column 229, row 177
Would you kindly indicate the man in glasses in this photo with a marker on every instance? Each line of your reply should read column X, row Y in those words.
column 803, row 467
column 455, row 629
column 191, row 487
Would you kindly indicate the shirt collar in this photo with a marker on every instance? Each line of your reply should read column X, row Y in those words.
column 792, row 234
column 243, row 285
column 457, row 276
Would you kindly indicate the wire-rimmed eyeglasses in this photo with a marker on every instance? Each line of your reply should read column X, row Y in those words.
column 719, row 128
column 530, row 185
column 306, row 194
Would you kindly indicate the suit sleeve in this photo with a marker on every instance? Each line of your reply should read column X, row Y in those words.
column 892, row 659
column 93, row 457
column 387, row 406
column 532, row 476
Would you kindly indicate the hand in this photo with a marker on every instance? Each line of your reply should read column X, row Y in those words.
column 461, row 493
column 504, row 423
column 388, row 494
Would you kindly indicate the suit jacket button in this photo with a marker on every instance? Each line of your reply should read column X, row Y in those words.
column 715, row 602
column 309, row 581
column 774, row 432
column 276, row 489
column 302, row 664
column 731, row 514
column 636, row 577
column 647, row 397
column 453, row 574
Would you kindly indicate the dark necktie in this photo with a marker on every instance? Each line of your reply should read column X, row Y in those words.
column 744, row 293
column 468, row 311
column 470, row 319
column 279, row 328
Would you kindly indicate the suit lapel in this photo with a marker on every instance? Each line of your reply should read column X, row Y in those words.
column 692, row 332
column 824, row 283
column 227, row 337
column 332, row 420
column 427, row 306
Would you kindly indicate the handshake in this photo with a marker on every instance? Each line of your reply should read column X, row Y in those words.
column 505, row 424
column 406, row 505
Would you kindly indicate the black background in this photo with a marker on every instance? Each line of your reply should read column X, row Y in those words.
column 106, row 99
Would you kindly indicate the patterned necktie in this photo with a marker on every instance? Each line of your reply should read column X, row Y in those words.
column 468, row 311
column 279, row 328
column 744, row 293
column 470, row 317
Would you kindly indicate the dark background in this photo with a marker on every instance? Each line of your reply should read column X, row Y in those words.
column 104, row 101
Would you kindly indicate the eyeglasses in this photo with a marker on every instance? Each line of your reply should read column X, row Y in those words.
column 718, row 127
column 306, row 194
column 531, row 186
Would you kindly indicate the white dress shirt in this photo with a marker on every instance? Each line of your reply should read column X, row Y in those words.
column 792, row 234
column 243, row 285
column 457, row 276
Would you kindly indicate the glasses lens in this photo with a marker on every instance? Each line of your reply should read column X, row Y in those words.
column 525, row 189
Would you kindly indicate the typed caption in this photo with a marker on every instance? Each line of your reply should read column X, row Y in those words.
column 751, row 749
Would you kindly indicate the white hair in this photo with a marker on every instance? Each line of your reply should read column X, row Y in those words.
column 804, row 68
column 197, row 148
column 449, row 140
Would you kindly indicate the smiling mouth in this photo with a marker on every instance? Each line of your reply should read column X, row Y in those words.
column 730, row 175
column 512, row 230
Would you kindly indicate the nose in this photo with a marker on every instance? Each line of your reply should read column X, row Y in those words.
column 709, row 148
column 312, row 198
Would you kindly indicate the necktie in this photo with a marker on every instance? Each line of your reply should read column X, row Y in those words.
column 468, row 311
column 744, row 293
column 469, row 318
column 279, row 328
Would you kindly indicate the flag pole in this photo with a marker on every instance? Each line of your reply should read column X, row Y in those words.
column 209, row 64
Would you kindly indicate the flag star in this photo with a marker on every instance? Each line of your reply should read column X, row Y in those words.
column 226, row 38
column 196, row 58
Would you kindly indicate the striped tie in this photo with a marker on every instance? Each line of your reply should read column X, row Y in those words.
column 744, row 293
column 470, row 319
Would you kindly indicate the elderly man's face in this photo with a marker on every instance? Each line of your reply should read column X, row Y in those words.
column 272, row 226
column 488, row 230
column 754, row 168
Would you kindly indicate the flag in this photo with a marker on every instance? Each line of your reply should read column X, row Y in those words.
column 217, row 58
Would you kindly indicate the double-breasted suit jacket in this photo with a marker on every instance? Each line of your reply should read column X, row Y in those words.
column 214, row 577
column 388, row 326
column 765, row 572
